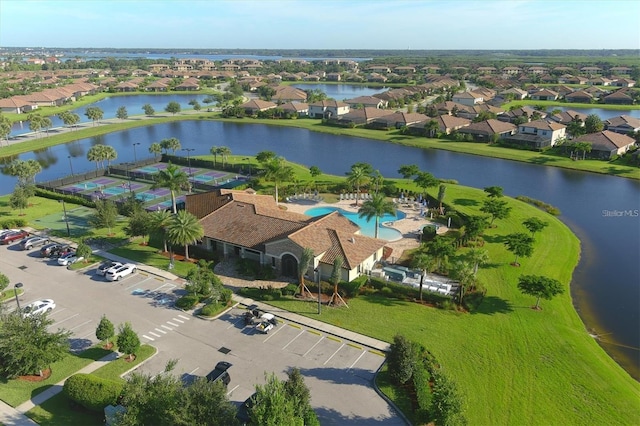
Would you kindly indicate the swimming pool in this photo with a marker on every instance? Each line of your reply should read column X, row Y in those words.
column 366, row 228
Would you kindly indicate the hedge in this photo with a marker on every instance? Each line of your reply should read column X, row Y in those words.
column 188, row 301
column 91, row 392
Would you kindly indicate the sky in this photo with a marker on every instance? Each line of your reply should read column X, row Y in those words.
column 326, row 24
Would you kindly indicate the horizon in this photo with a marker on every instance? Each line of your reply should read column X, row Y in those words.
column 491, row 25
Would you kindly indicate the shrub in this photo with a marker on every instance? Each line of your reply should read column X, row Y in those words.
column 211, row 309
column 91, row 392
column 386, row 292
column 290, row 290
column 226, row 295
column 421, row 378
column 352, row 289
column 401, row 359
column 13, row 223
column 188, row 301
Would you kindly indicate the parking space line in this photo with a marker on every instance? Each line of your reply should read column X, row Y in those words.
column 66, row 319
column 57, row 311
column 357, row 359
column 147, row 337
column 233, row 324
column 160, row 331
column 159, row 279
column 171, row 287
column 168, row 328
column 154, row 334
column 272, row 334
column 292, row 340
column 173, row 324
column 176, row 319
column 338, row 350
column 133, row 285
column 236, row 387
column 311, row 348
column 184, row 317
column 77, row 326
column 87, row 335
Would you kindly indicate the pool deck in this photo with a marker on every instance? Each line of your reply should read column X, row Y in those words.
column 407, row 226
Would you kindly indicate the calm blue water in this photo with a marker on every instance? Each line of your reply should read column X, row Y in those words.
column 367, row 228
column 110, row 105
column 340, row 92
column 604, row 114
column 169, row 56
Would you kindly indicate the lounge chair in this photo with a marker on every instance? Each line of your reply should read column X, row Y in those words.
column 340, row 197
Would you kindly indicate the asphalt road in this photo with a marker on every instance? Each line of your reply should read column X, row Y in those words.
column 339, row 373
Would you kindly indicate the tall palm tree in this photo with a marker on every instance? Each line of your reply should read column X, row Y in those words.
column 185, row 229
column 109, row 153
column 376, row 207
column 277, row 170
column 160, row 220
column 214, row 152
column 305, row 260
column 94, row 154
column 155, row 149
column 225, row 152
column 357, row 177
column 463, row 272
column 477, row 257
column 173, row 179
column 425, row 263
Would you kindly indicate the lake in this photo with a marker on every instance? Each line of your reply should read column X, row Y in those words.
column 604, row 114
column 340, row 92
column 598, row 208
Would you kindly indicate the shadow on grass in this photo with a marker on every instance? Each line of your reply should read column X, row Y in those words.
column 543, row 160
column 95, row 353
column 465, row 202
column 57, row 411
column 498, row 239
column 612, row 170
column 384, row 301
column 493, row 305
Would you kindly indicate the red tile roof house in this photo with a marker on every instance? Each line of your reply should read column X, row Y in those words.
column 489, row 130
column 256, row 105
column 367, row 101
column 243, row 224
column 606, row 144
column 515, row 114
column 299, row 109
column 189, row 84
column 396, row 120
column 327, row 109
column 161, row 85
column 445, row 124
column 623, row 124
column 538, row 134
column 624, row 82
column 289, row 94
column 16, row 105
column 565, row 117
column 468, row 98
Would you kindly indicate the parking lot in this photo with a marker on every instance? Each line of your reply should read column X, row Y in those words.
column 338, row 372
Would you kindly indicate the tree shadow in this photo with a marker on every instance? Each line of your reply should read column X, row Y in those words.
column 612, row 170
column 493, row 305
column 498, row 239
column 385, row 301
column 543, row 160
column 465, row 202
column 337, row 376
column 79, row 345
column 329, row 416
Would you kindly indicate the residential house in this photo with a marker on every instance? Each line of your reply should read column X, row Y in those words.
column 360, row 116
column 563, row 90
column 537, row 70
column 486, row 70
column 576, row 80
column 443, row 124
column 162, row 85
column 254, row 106
column 623, row 124
column 397, row 120
column 599, row 81
column 538, row 134
column 591, row 70
column 404, row 70
column 471, row 112
column 127, row 86
column 468, row 98
column 579, row 96
column 189, row 84
column 327, row 109
column 367, row 101
column 376, row 77
column 607, row 144
column 334, row 76
column 620, row 70
column 379, row 69
column 623, row 82
column 16, row 105
column 299, row 109
column 518, row 94
column 544, row 95
column 288, row 94
column 519, row 114
column 566, row 117
column 619, row 98
column 245, row 225
column 489, row 130
column 512, row 70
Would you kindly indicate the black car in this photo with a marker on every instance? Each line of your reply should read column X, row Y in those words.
column 55, row 250
column 243, row 410
column 220, row 373
column 252, row 314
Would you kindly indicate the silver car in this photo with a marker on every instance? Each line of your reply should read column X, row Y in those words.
column 31, row 242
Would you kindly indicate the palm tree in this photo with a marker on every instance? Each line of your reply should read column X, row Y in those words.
column 336, row 274
column 305, row 260
column 214, row 152
column 357, row 177
column 94, row 154
column 171, row 178
column 160, row 221
column 225, row 152
column 185, row 229
column 477, row 257
column 376, row 207
column 425, row 263
column 155, row 149
column 109, row 153
column 172, row 144
column 276, row 170
column 463, row 272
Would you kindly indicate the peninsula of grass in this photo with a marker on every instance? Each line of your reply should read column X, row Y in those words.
column 513, row 364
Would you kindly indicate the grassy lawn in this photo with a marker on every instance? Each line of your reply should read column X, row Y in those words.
column 514, row 365
column 10, row 293
column 149, row 255
column 551, row 104
column 56, row 411
column 15, row 392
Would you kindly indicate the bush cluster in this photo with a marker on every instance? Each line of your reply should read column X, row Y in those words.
column 188, row 301
column 13, row 223
column 212, row 309
column 91, row 392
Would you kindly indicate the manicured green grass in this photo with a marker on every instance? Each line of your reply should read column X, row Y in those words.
column 9, row 293
column 15, row 392
column 149, row 255
column 57, row 412
column 514, row 365
column 550, row 104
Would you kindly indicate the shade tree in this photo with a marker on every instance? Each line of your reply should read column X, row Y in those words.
column 105, row 330
column 540, row 287
column 184, row 229
column 94, row 114
column 496, row 208
column 520, row 244
column 535, row 225
column 128, row 340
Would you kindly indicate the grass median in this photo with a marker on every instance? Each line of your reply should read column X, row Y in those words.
column 514, row 365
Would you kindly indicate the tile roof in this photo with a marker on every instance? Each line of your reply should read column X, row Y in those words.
column 623, row 120
column 606, row 140
column 489, row 127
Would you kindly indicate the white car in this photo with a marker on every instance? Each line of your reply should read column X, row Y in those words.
column 266, row 323
column 38, row 307
column 107, row 266
column 69, row 259
column 116, row 274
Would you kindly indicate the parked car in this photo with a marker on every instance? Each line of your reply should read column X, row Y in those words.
column 69, row 259
column 55, row 250
column 38, row 307
column 244, row 409
column 220, row 373
column 106, row 266
column 252, row 315
column 31, row 242
column 118, row 273
column 12, row 236
column 266, row 322
column 6, row 231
